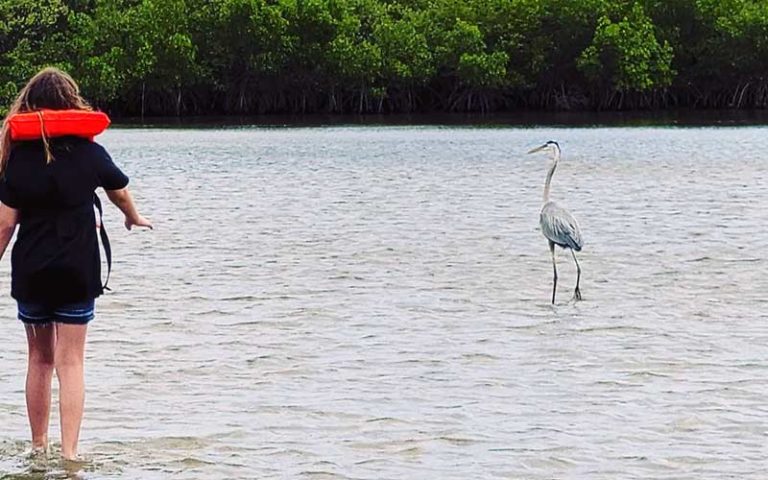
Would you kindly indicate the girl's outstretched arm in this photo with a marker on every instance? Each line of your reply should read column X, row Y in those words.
column 9, row 218
column 124, row 201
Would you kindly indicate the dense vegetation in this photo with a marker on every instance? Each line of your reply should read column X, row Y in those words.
column 183, row 57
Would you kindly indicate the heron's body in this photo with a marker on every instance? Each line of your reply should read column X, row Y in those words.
column 558, row 225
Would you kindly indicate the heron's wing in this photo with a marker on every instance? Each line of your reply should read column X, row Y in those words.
column 560, row 227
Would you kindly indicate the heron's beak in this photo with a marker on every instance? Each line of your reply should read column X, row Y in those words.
column 538, row 149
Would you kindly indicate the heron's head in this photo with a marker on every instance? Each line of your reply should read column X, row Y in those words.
column 549, row 147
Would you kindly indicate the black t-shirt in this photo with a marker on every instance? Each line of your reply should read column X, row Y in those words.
column 55, row 259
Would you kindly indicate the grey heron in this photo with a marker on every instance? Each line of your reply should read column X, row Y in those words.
column 558, row 224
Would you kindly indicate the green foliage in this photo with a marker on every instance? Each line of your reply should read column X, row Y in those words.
column 31, row 35
column 627, row 54
column 483, row 69
column 252, row 56
column 406, row 56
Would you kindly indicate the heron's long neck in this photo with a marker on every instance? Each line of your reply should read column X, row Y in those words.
column 549, row 177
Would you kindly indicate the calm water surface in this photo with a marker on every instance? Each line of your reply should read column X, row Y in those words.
column 372, row 303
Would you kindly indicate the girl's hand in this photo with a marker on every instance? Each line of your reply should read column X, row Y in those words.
column 139, row 221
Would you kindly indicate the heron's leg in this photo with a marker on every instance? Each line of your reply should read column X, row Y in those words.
column 577, row 292
column 554, row 269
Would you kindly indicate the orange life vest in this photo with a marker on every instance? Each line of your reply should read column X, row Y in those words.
column 57, row 123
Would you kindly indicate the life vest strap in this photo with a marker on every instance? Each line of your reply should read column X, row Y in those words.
column 104, row 239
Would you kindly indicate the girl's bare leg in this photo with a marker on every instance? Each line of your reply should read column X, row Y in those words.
column 70, row 352
column 41, row 342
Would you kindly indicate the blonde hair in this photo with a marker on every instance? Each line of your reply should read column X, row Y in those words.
column 50, row 89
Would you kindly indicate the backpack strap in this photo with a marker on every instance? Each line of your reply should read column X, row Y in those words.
column 104, row 239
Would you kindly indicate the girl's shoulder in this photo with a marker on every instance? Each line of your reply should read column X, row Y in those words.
column 31, row 156
column 80, row 149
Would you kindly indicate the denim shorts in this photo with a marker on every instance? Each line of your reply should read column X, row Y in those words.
column 74, row 313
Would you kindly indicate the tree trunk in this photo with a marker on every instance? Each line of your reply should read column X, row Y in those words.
column 143, row 89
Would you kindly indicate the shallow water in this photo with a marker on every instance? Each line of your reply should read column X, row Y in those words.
column 373, row 303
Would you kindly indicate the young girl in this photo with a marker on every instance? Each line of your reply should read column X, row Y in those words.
column 47, row 188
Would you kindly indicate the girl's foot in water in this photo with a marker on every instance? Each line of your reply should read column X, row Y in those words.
column 38, row 451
